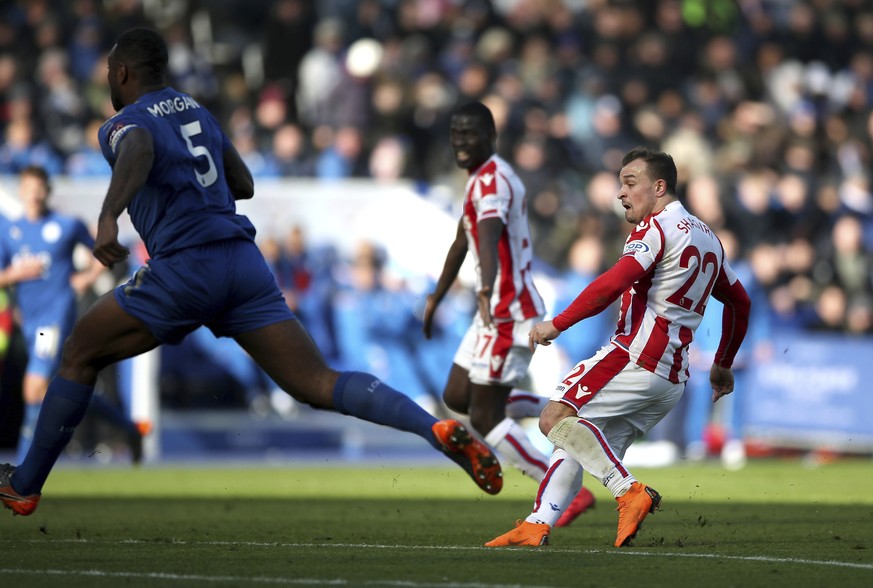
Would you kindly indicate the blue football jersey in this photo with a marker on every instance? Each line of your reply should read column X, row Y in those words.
column 52, row 240
column 186, row 200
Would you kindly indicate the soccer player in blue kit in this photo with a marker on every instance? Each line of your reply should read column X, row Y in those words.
column 36, row 254
column 178, row 176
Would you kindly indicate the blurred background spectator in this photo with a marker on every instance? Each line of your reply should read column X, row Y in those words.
column 766, row 106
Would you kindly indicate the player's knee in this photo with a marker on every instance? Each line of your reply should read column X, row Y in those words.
column 316, row 390
column 73, row 357
column 546, row 424
column 552, row 414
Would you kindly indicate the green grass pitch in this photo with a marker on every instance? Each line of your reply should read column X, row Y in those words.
column 775, row 523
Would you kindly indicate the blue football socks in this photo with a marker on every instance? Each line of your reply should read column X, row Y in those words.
column 366, row 397
column 62, row 410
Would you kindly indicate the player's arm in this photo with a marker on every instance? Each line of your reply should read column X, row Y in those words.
column 21, row 271
column 133, row 162
column 454, row 260
column 490, row 230
column 593, row 300
column 734, row 324
column 85, row 278
column 236, row 172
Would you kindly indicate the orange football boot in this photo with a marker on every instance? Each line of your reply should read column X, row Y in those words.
column 524, row 534
column 20, row 505
column 633, row 507
column 470, row 453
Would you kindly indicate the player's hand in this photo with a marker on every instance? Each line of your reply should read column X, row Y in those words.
column 542, row 334
column 107, row 249
column 429, row 310
column 80, row 282
column 29, row 268
column 722, row 381
column 483, row 298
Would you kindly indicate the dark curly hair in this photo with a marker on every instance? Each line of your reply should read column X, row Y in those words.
column 145, row 51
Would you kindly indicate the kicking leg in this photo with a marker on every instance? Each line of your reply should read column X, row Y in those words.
column 586, row 443
column 562, row 481
column 289, row 356
column 103, row 335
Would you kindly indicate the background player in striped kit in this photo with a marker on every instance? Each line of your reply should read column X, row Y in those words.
column 493, row 355
column 671, row 264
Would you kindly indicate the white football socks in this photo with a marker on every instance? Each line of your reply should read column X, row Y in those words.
column 522, row 404
column 510, row 440
column 559, row 486
column 586, row 444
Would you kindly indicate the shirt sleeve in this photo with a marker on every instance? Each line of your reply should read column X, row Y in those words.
column 112, row 132
column 602, row 292
column 82, row 234
column 735, row 315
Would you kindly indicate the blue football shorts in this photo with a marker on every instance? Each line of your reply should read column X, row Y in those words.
column 45, row 336
column 225, row 285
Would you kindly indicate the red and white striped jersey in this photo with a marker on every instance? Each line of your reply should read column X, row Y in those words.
column 659, row 314
column 494, row 191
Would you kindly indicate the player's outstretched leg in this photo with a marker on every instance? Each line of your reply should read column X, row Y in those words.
column 366, row 397
column 585, row 442
column 563, row 479
column 62, row 410
column 470, row 453
column 20, row 505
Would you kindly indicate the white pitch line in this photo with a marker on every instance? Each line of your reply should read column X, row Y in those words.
column 620, row 552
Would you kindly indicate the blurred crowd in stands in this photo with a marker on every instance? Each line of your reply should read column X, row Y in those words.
column 766, row 105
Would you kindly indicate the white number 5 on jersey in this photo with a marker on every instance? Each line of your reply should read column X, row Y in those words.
column 193, row 129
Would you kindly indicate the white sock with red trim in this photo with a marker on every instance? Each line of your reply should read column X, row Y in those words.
column 559, row 486
column 523, row 404
column 587, row 445
column 510, row 440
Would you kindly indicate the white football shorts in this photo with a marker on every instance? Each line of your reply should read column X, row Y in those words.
column 623, row 399
column 498, row 354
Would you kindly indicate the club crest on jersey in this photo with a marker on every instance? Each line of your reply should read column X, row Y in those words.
column 635, row 247
column 51, row 232
column 582, row 392
column 487, row 179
